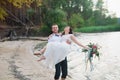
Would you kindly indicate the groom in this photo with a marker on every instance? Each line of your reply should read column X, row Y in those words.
column 60, row 67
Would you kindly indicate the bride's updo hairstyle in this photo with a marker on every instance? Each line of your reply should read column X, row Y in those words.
column 70, row 30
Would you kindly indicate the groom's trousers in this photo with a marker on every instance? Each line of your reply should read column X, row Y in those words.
column 61, row 67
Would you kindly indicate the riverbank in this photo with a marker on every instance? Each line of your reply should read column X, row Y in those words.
column 17, row 61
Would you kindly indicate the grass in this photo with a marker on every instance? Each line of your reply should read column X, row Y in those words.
column 93, row 29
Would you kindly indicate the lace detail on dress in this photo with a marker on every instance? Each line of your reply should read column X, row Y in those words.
column 66, row 37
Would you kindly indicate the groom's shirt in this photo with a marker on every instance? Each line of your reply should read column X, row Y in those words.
column 54, row 38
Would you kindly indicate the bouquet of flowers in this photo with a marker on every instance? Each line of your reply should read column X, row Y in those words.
column 93, row 51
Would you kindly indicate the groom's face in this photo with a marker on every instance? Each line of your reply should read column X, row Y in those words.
column 55, row 28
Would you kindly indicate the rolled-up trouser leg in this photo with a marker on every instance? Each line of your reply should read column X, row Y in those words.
column 57, row 71
column 64, row 68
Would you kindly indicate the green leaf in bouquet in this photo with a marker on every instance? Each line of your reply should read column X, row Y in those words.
column 97, row 54
column 84, row 50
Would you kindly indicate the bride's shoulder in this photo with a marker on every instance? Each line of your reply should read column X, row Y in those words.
column 71, row 35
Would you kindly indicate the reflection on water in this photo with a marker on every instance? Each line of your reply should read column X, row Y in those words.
column 108, row 68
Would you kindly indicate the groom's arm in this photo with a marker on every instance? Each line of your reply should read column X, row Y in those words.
column 49, row 37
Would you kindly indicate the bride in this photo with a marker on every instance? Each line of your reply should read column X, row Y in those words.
column 55, row 52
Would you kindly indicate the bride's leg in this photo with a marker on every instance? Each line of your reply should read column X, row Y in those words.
column 41, row 51
column 42, row 58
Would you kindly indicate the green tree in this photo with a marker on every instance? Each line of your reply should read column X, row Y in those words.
column 87, row 9
column 56, row 16
column 3, row 14
column 100, row 13
column 17, row 4
column 76, row 21
column 77, row 13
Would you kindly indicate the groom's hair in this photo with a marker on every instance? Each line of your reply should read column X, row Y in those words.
column 55, row 25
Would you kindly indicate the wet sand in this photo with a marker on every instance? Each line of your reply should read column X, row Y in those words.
column 18, row 63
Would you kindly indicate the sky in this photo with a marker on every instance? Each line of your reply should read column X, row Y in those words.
column 113, row 6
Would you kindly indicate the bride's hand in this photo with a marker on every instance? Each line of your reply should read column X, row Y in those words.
column 86, row 47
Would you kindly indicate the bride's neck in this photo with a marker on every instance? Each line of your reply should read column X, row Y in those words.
column 66, row 33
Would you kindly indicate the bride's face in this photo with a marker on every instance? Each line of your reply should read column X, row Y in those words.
column 67, row 29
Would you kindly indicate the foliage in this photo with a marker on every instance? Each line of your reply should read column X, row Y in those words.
column 93, row 50
column 90, row 21
column 100, row 17
column 30, row 13
column 2, row 14
column 20, row 3
column 109, row 20
column 45, row 30
column 90, row 53
column 17, row 4
column 93, row 29
column 56, row 16
column 76, row 20
column 76, row 13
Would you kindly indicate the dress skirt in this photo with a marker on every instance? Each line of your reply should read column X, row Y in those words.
column 56, row 52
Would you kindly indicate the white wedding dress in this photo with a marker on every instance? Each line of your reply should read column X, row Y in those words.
column 57, row 51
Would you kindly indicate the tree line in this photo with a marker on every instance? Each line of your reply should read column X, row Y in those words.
column 44, row 13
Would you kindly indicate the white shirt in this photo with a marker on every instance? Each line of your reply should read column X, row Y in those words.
column 54, row 38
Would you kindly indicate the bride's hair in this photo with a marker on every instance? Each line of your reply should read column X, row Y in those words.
column 71, row 32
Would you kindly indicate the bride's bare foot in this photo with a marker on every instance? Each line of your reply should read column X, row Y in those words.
column 40, row 52
column 37, row 53
column 42, row 58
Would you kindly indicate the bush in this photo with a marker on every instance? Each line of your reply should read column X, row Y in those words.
column 56, row 16
column 98, row 29
column 30, row 12
column 45, row 30
column 42, row 31
column 76, row 21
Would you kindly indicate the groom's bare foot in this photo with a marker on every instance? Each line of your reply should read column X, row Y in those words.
column 42, row 58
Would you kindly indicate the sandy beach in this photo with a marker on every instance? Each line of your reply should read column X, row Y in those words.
column 17, row 61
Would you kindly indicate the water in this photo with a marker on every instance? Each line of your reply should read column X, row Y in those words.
column 107, row 68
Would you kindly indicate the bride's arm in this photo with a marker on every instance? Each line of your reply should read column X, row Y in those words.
column 73, row 38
